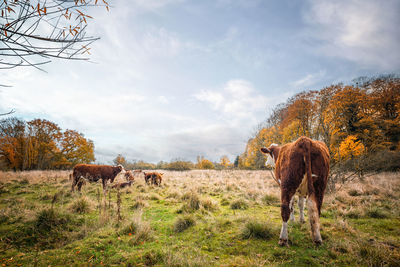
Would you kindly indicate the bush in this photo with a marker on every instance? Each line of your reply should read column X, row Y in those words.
column 354, row 192
column 139, row 203
column 183, row 223
column 209, row 204
column 81, row 205
column 376, row 213
column 258, row 230
column 140, row 230
column 270, row 199
column 239, row 204
column 179, row 165
column 192, row 202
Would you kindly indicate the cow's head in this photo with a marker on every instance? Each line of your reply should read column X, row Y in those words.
column 129, row 176
column 272, row 154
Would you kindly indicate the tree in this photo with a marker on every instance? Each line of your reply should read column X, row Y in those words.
column 32, row 32
column 224, row 161
column 120, row 160
column 40, row 144
column 75, row 148
column 203, row 163
column 12, row 142
column 350, row 148
column 236, row 162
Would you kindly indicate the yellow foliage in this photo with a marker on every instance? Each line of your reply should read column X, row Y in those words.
column 350, row 148
column 224, row 161
column 291, row 132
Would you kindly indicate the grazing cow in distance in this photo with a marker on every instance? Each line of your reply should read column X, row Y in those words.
column 93, row 173
column 153, row 178
column 129, row 176
column 301, row 166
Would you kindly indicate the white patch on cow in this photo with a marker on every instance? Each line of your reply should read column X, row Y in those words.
column 301, row 208
column 314, row 220
column 284, row 231
column 270, row 161
column 291, row 206
column 314, row 175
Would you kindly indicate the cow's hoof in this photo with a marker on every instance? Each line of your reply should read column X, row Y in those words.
column 318, row 242
column 302, row 221
column 283, row 242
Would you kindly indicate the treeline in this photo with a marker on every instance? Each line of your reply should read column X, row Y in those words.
column 41, row 144
column 354, row 120
column 176, row 165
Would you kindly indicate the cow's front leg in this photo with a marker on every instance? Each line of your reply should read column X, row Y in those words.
column 301, row 209
column 285, row 214
column 291, row 206
column 314, row 220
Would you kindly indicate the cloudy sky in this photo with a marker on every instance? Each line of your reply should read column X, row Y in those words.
column 180, row 78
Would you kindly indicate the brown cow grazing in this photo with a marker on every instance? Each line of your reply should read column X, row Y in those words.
column 93, row 173
column 301, row 166
column 153, row 178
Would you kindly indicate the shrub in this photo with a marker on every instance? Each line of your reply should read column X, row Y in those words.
column 258, row 230
column 239, row 204
column 139, row 203
column 179, row 165
column 270, row 199
column 192, row 202
column 155, row 196
column 354, row 192
column 81, row 205
column 377, row 213
column 24, row 181
column 140, row 230
column 183, row 223
column 224, row 202
column 209, row 204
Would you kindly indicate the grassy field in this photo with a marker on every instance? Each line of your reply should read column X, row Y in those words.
column 196, row 218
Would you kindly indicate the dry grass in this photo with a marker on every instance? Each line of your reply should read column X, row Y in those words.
column 233, row 215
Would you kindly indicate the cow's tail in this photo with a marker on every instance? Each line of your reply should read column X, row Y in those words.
column 307, row 162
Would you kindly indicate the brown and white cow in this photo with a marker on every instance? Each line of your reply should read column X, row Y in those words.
column 153, row 178
column 93, row 173
column 302, row 167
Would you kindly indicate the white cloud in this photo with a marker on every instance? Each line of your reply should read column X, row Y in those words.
column 237, row 100
column 309, row 79
column 365, row 32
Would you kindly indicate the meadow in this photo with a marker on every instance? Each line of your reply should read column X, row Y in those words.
column 195, row 218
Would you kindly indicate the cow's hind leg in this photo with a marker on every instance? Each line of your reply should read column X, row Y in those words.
column 291, row 206
column 74, row 182
column 314, row 219
column 285, row 214
column 301, row 209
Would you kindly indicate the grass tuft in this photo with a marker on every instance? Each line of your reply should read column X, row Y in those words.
column 183, row 223
column 239, row 204
column 254, row 229
column 81, row 205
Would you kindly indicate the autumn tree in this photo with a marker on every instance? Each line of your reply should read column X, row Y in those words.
column 364, row 116
column 33, row 32
column 203, row 163
column 119, row 159
column 224, row 161
column 40, row 144
column 12, row 142
column 74, row 149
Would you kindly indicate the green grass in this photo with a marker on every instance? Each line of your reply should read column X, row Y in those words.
column 184, row 225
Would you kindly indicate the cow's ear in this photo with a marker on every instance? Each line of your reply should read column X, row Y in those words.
column 265, row 150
